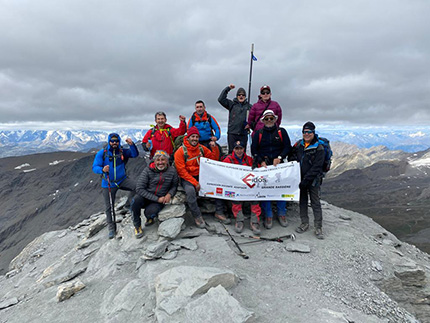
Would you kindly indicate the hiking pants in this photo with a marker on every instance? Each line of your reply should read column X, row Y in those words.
column 219, row 206
column 314, row 192
column 232, row 138
column 126, row 185
column 267, row 207
column 238, row 213
column 151, row 209
column 190, row 190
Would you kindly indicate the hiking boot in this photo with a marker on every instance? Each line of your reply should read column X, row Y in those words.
column 268, row 223
column 138, row 232
column 283, row 220
column 200, row 222
column 112, row 230
column 255, row 227
column 302, row 228
column 319, row 233
column 222, row 218
column 238, row 227
column 150, row 221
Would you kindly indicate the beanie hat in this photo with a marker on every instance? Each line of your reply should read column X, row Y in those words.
column 241, row 90
column 193, row 131
column 309, row 125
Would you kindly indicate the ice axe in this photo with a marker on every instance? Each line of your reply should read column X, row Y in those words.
column 241, row 252
column 291, row 236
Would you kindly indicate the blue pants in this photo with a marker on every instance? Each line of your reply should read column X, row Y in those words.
column 267, row 207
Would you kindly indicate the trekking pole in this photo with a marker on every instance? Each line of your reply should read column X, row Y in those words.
column 241, row 252
column 110, row 201
column 278, row 239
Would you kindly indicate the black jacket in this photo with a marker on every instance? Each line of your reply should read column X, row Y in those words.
column 267, row 144
column 237, row 113
column 311, row 161
column 153, row 183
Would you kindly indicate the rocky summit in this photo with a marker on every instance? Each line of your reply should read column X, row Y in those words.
column 179, row 273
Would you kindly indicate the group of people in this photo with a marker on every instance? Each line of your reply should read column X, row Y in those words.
column 175, row 159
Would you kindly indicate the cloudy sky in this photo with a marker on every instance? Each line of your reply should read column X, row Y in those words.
column 87, row 63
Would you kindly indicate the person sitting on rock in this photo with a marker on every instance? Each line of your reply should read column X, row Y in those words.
column 110, row 163
column 239, row 157
column 163, row 135
column 270, row 146
column 310, row 154
column 155, row 187
column 208, row 127
column 238, row 109
column 187, row 162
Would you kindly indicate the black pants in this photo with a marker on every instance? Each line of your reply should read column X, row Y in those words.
column 126, row 185
column 315, row 193
column 151, row 209
column 232, row 138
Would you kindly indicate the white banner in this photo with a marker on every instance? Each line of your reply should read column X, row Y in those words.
column 241, row 183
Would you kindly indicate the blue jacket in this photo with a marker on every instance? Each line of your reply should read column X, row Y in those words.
column 205, row 124
column 116, row 160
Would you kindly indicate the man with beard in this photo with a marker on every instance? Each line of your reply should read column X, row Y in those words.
column 270, row 146
column 110, row 163
column 163, row 135
column 238, row 108
column 155, row 187
column 187, row 162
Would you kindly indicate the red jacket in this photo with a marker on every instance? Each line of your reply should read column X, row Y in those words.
column 232, row 159
column 163, row 139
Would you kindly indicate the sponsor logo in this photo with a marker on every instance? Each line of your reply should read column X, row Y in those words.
column 219, row 191
column 251, row 180
column 209, row 193
column 230, row 194
column 288, row 195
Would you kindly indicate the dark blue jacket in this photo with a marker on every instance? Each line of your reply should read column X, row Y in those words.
column 270, row 145
column 115, row 159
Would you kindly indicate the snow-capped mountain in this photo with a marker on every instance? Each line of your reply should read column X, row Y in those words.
column 23, row 142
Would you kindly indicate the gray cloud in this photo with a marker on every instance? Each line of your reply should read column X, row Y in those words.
column 355, row 62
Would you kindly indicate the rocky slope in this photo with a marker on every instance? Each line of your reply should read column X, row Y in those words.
column 359, row 273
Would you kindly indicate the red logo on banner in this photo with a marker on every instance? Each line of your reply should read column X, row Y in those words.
column 218, row 191
column 248, row 180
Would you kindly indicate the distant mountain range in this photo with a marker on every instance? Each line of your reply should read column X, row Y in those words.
column 24, row 142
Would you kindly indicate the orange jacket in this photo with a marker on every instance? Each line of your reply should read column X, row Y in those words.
column 190, row 169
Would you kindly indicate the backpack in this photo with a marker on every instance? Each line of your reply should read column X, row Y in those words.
column 260, row 135
column 168, row 134
column 328, row 153
column 193, row 120
column 202, row 153
column 105, row 154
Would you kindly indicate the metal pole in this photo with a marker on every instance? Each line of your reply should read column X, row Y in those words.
column 250, row 73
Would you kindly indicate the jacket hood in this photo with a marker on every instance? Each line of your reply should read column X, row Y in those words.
column 113, row 134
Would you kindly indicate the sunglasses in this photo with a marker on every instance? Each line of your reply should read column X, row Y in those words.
column 269, row 119
column 307, row 132
column 241, row 95
column 114, row 141
column 265, row 92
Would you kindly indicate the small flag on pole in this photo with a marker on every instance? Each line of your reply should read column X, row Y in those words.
column 254, row 58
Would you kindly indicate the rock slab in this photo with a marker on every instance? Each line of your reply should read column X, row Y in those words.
column 170, row 228
column 67, row 290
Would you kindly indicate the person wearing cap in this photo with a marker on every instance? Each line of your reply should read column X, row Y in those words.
column 155, row 187
column 110, row 163
column 239, row 157
column 238, row 109
column 162, row 136
column 208, row 127
column 264, row 103
column 271, row 146
column 309, row 152
column 187, row 162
